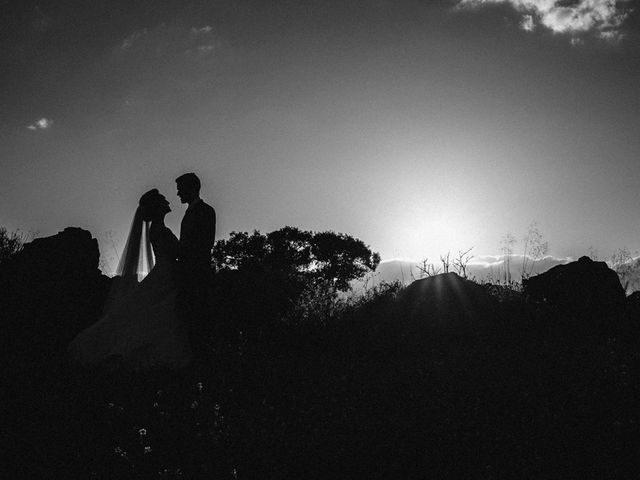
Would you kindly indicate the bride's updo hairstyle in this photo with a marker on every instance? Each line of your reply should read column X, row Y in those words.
column 149, row 203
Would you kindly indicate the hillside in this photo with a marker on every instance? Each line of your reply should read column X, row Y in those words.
column 445, row 378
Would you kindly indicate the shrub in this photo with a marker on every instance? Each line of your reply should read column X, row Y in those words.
column 10, row 244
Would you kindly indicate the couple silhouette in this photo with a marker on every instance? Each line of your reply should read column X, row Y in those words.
column 157, row 312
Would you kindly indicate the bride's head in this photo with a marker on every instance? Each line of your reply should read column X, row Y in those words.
column 153, row 206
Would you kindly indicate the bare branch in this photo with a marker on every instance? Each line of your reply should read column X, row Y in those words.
column 461, row 262
column 446, row 262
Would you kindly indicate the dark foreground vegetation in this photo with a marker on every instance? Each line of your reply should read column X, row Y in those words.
column 444, row 379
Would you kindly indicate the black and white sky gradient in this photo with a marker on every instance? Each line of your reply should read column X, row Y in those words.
column 419, row 127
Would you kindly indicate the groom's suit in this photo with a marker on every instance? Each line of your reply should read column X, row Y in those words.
column 197, row 235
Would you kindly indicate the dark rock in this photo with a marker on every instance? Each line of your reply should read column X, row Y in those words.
column 448, row 303
column 51, row 290
column 581, row 287
column 633, row 306
column 68, row 253
column 634, row 298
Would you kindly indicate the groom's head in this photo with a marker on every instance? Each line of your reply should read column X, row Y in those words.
column 188, row 187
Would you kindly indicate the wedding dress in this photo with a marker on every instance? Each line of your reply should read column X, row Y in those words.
column 140, row 328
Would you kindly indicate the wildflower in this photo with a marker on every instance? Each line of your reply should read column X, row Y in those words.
column 120, row 451
column 147, row 449
column 166, row 472
column 142, row 432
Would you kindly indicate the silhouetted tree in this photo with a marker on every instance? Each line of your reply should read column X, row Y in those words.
column 535, row 248
column 303, row 256
column 627, row 267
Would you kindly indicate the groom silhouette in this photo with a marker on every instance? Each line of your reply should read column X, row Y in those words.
column 197, row 235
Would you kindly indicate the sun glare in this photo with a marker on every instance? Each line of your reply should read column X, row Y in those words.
column 421, row 234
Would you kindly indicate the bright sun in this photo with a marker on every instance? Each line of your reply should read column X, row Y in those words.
column 419, row 234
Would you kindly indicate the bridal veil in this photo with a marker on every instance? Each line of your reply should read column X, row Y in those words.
column 136, row 261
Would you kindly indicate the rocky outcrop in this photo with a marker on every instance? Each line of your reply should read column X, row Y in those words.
column 583, row 287
column 69, row 253
column 51, row 290
column 633, row 306
column 448, row 303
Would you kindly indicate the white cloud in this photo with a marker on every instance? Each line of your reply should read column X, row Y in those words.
column 41, row 124
column 527, row 23
column 481, row 268
column 129, row 41
column 603, row 17
column 169, row 41
column 201, row 31
column 492, row 260
column 610, row 35
column 206, row 48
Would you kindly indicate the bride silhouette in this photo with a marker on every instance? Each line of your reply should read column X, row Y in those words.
column 139, row 328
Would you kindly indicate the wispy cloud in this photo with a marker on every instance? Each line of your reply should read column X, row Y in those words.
column 578, row 17
column 166, row 62
column 41, row 124
column 481, row 268
column 169, row 40
column 527, row 23
column 206, row 48
column 134, row 38
column 494, row 260
column 202, row 30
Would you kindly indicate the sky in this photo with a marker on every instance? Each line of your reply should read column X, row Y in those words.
column 416, row 126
